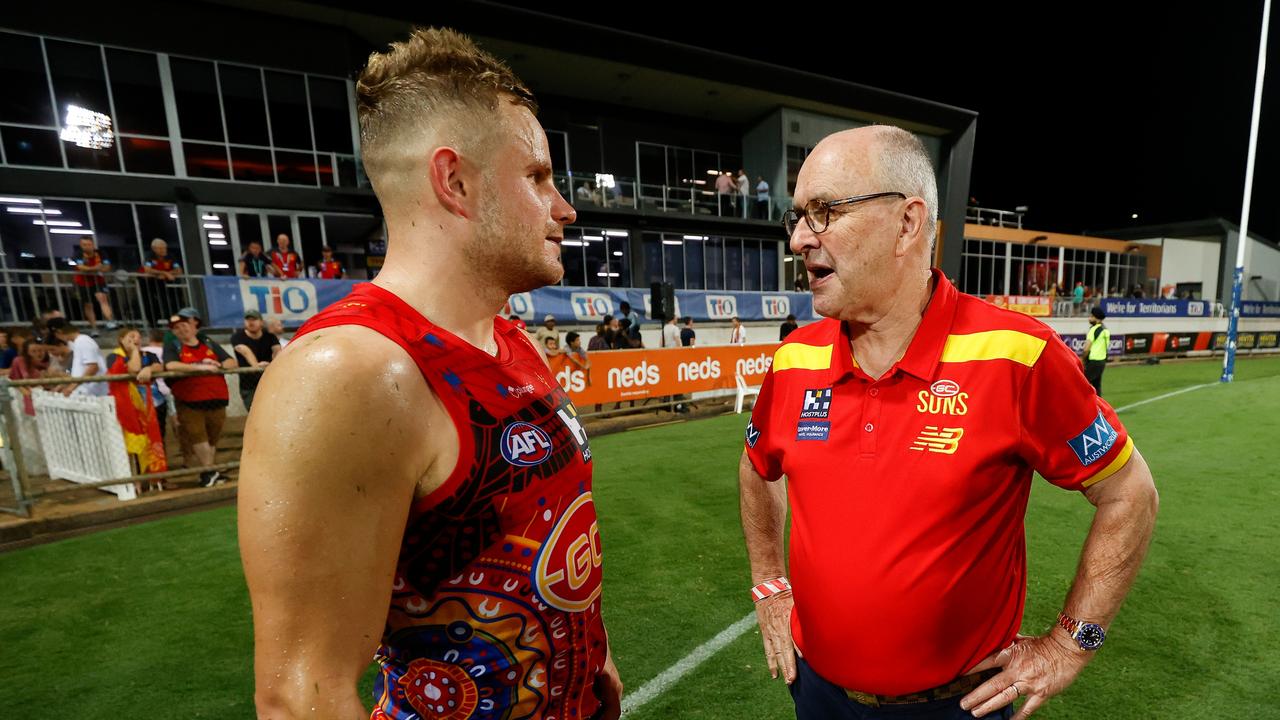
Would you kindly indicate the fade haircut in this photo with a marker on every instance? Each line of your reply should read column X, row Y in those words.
column 904, row 166
column 435, row 86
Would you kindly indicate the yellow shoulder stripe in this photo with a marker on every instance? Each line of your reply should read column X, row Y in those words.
column 794, row 356
column 993, row 345
column 1125, row 453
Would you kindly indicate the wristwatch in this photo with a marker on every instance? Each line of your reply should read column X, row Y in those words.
column 1089, row 636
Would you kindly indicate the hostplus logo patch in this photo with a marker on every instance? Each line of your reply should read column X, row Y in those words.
column 817, row 404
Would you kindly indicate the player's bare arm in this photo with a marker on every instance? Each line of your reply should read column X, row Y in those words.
column 1042, row 667
column 345, row 433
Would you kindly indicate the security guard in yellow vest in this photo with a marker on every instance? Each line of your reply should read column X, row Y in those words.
column 1096, row 341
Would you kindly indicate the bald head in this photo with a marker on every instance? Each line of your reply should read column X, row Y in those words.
column 876, row 158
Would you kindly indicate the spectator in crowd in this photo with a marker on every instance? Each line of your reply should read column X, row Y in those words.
column 135, row 406
column 59, row 359
column 633, row 330
column 787, row 328
column 31, row 365
column 743, row 186
column 726, row 193
column 202, row 398
column 738, row 335
column 586, row 193
column 1077, row 294
column 1053, row 293
column 86, row 358
column 275, row 326
column 329, row 268
column 255, row 348
column 253, row 264
column 91, row 284
column 688, row 338
column 670, row 333
column 158, row 289
column 576, row 355
column 600, row 341
column 800, row 283
column 1137, row 292
column 285, row 261
column 1097, row 340
column 8, row 353
column 762, row 198
column 551, row 345
column 548, row 330
column 515, row 320
column 160, row 394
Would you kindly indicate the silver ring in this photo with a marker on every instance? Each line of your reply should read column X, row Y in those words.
column 1016, row 691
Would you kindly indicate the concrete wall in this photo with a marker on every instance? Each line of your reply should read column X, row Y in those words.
column 1261, row 272
column 1189, row 261
column 763, row 154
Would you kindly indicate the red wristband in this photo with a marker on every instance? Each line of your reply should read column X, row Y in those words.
column 770, row 587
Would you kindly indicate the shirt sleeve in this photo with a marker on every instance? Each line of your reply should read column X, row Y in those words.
column 171, row 353
column 217, row 350
column 762, row 438
column 1068, row 434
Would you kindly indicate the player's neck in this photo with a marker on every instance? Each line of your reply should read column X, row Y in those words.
column 450, row 299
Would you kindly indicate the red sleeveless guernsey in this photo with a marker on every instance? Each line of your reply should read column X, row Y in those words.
column 495, row 606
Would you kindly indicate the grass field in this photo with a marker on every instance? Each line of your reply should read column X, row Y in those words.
column 155, row 619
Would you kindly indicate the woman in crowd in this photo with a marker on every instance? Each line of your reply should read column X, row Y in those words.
column 31, row 365
column 8, row 353
column 135, row 407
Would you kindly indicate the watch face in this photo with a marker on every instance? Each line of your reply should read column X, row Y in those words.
column 1091, row 636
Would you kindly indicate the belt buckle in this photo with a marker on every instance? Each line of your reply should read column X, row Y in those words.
column 863, row 698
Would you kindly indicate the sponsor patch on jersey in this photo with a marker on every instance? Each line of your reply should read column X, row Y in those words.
column 753, row 435
column 1095, row 441
column 817, row 404
column 525, row 444
column 813, row 430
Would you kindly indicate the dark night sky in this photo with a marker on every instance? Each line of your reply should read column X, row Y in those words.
column 1087, row 114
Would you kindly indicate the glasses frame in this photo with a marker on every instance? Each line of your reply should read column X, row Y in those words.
column 791, row 217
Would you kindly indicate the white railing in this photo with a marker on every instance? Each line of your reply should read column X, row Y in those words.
column 691, row 200
column 998, row 218
column 82, row 439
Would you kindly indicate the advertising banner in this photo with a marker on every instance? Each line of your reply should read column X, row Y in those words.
column 618, row 375
column 1255, row 308
column 1135, row 307
column 1026, row 304
column 1076, row 343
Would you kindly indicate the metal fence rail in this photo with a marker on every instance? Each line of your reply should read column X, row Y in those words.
column 132, row 298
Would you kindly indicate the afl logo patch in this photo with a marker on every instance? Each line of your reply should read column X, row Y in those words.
column 525, row 445
column 945, row 388
column 567, row 571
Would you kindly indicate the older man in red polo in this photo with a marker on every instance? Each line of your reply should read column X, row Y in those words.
column 908, row 424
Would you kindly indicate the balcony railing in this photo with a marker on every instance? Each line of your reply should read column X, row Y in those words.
column 690, row 200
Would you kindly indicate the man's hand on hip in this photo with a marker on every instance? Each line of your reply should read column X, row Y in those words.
column 608, row 690
column 1036, row 668
column 774, row 615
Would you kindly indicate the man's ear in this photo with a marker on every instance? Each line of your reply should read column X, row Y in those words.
column 446, row 171
column 911, row 227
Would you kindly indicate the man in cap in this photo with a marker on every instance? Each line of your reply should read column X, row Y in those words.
column 548, row 330
column 255, row 348
column 202, row 398
column 1096, row 341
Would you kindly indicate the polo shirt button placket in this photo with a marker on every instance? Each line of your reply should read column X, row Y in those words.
column 871, row 413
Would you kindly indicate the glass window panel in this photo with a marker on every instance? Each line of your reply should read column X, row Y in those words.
column 251, row 164
column 249, row 230
column 619, row 261
column 116, row 235
column 769, row 266
column 733, row 264
column 295, row 168
column 24, row 241
column 324, row 168
column 144, row 155
column 653, row 166
column 309, row 239
column 347, row 176
column 82, row 158
column 693, row 266
column 25, row 146
column 160, row 222
column 278, row 225
column 67, row 245
column 350, row 237
column 575, row 273
column 557, row 145
column 673, row 261
column 715, row 263
column 331, row 115
column 243, row 105
column 206, row 161
column 135, row 90
column 195, row 90
column 26, row 88
column 287, row 101
column 597, row 259
column 77, row 77
column 750, row 265
column 652, row 258
column 223, row 257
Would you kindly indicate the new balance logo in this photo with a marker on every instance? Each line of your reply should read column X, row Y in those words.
column 817, row 403
column 938, row 440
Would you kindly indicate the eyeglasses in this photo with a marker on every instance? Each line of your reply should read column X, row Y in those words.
column 817, row 213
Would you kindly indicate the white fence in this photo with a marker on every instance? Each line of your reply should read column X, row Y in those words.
column 82, row 439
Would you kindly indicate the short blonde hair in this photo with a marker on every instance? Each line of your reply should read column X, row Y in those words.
column 437, row 80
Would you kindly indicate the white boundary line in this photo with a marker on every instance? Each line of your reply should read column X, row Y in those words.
column 687, row 664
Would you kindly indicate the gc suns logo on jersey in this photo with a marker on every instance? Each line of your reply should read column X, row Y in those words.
column 525, row 445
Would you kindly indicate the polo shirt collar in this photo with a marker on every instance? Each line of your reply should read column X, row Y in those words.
column 921, row 358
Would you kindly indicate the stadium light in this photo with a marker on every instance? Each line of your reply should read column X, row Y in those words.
column 617, row 233
column 71, row 231
column 593, row 238
column 32, row 211
column 213, row 226
column 672, row 242
column 617, row 253
column 221, row 266
column 57, row 223
column 217, row 235
column 87, row 129
column 218, row 242
column 573, row 243
column 20, row 201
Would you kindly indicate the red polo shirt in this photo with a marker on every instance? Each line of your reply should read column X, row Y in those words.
column 907, row 493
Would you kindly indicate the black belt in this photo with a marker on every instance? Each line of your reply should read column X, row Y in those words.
column 960, row 686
